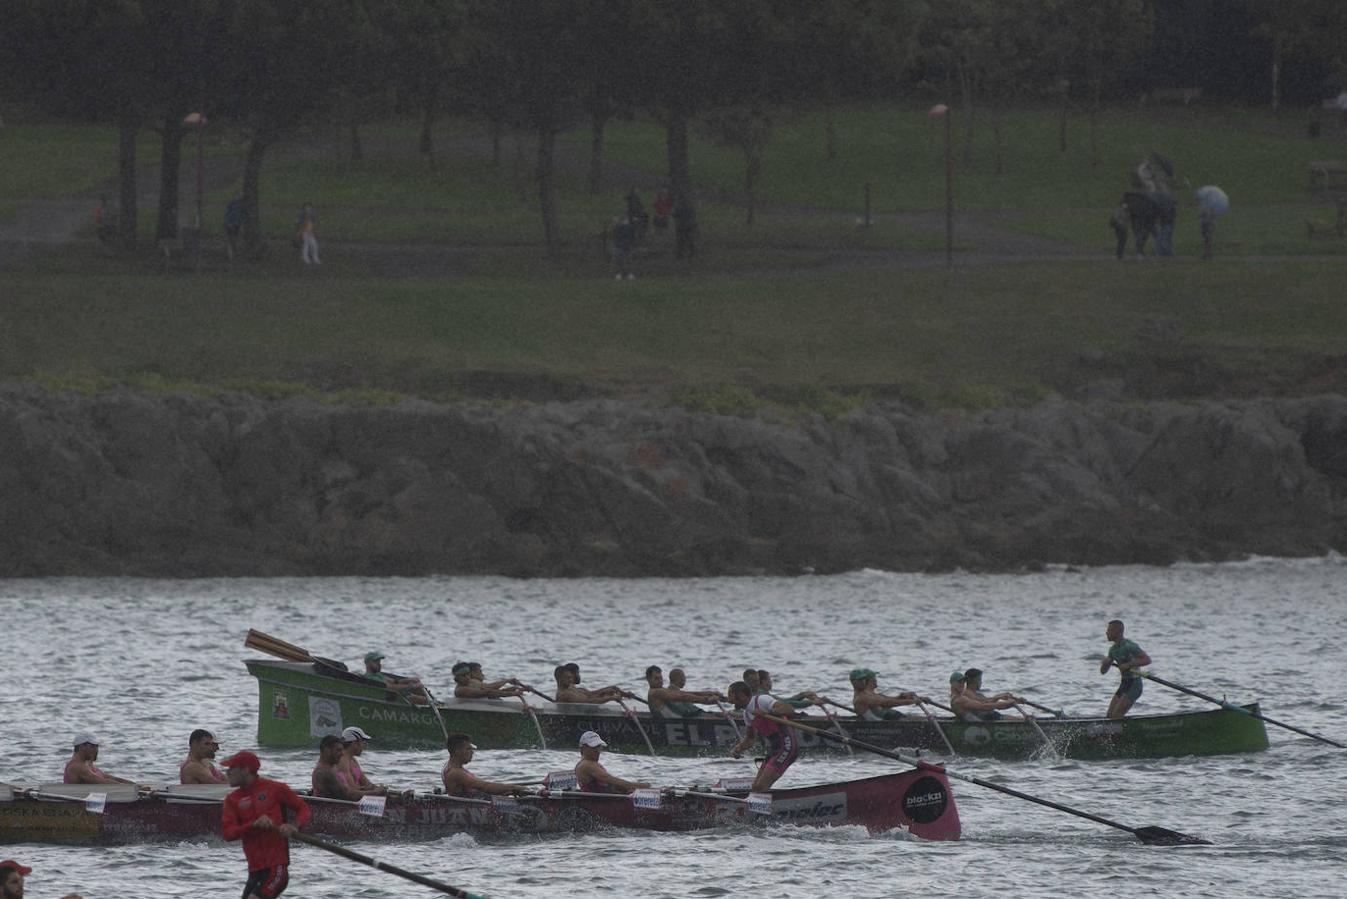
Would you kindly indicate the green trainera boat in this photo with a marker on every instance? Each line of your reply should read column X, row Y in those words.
column 301, row 702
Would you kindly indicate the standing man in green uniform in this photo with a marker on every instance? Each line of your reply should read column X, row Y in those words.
column 1126, row 656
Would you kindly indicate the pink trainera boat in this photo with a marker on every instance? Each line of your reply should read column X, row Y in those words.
column 919, row 801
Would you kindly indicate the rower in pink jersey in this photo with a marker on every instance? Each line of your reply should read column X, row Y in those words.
column 782, row 741
column 348, row 769
column 198, row 768
column 81, row 768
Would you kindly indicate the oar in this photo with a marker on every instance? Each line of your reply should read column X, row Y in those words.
column 634, row 720
column 542, row 694
column 1030, row 718
column 1056, row 713
column 275, row 646
column 1234, row 708
column 837, row 725
column 528, row 710
column 435, row 707
column 1156, row 836
column 730, row 718
column 938, row 729
column 382, row 866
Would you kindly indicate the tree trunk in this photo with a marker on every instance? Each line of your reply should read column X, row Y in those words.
column 547, row 141
column 996, row 141
column 518, row 167
column 426, row 146
column 1095, row 103
column 252, row 178
column 598, row 122
column 1061, row 124
column 170, row 167
column 1276, row 74
column 495, row 143
column 752, row 165
column 126, row 184
column 357, row 147
column 830, row 132
column 676, row 145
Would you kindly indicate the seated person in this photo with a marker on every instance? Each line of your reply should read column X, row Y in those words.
column 971, row 705
column 674, row 701
column 327, row 781
column 465, row 687
column 798, row 701
column 409, row 688
column 872, row 705
column 80, row 769
column 592, row 777
column 569, row 690
column 459, row 781
column 198, row 768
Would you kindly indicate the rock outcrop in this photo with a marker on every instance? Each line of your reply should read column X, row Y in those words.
column 176, row 485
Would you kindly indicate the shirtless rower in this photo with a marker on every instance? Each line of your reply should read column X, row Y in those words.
column 751, row 678
column 459, row 781
column 674, row 701
column 782, row 741
column 872, row 705
column 592, row 777
column 408, row 688
column 475, row 672
column 971, row 705
column 81, row 768
column 198, row 767
column 353, row 741
column 955, row 687
column 466, row 687
column 324, row 780
column 568, row 689
column 1126, row 656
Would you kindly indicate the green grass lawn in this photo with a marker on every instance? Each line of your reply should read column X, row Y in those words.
column 993, row 332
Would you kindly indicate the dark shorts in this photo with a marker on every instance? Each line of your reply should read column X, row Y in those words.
column 784, row 749
column 1131, row 690
column 268, row 882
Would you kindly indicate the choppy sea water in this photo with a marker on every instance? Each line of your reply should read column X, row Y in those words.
column 143, row 662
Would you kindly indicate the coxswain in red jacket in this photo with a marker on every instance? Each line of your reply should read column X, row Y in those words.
column 255, row 812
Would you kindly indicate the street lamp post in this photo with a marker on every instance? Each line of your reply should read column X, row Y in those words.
column 943, row 110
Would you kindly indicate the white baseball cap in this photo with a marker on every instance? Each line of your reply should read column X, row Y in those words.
column 589, row 738
column 351, row 734
column 86, row 737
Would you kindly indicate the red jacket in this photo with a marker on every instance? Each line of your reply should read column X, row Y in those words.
column 262, row 848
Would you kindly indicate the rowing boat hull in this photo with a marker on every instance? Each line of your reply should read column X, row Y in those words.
column 298, row 705
column 919, row 801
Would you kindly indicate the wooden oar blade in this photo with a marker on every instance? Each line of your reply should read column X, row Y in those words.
column 1160, row 836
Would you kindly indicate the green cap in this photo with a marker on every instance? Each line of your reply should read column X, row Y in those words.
column 861, row 673
column 956, row 678
column 373, row 656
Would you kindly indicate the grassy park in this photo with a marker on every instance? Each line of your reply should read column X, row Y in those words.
column 435, row 283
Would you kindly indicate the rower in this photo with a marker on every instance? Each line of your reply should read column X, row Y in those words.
column 353, row 741
column 956, row 686
column 255, row 812
column 751, row 678
column 198, row 767
column 465, row 687
column 11, row 880
column 409, row 688
column 971, row 705
column 81, row 768
column 674, row 701
column 798, row 701
column 568, row 678
column 1126, row 656
column 325, row 781
column 475, row 672
column 592, row 777
column 459, row 781
column 872, row 705
column 781, row 740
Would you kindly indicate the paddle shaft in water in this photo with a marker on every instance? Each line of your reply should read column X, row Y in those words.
column 435, row 707
column 637, row 721
column 1043, row 736
column 366, row 860
column 1150, row 835
column 1234, row 708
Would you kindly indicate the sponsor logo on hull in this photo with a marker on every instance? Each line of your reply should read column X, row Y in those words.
column 825, row 808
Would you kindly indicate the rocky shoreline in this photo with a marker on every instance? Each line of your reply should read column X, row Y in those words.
column 129, row 483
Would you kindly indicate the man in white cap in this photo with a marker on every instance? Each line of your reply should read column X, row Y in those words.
column 592, row 777
column 11, row 880
column 81, row 768
column 348, row 769
column 459, row 781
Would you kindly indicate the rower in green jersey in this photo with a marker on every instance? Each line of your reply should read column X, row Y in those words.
column 803, row 699
column 1126, row 656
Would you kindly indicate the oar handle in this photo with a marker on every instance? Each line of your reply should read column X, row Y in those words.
column 366, row 860
column 1057, row 713
column 538, row 692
